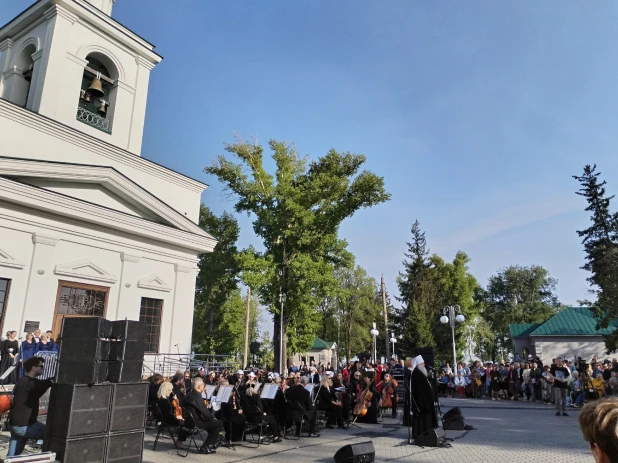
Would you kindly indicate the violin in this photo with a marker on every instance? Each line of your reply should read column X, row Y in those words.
column 176, row 408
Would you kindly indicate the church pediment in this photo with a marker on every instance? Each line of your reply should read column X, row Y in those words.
column 86, row 269
column 154, row 282
column 7, row 261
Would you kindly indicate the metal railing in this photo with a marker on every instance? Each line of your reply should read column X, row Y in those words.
column 92, row 119
column 167, row 364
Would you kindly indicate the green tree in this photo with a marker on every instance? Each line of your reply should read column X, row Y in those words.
column 518, row 294
column 297, row 212
column 600, row 242
column 216, row 282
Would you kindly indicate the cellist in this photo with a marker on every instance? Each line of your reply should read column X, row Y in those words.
column 370, row 397
column 388, row 393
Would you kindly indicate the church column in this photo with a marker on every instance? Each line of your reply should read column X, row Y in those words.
column 139, row 104
column 40, row 300
column 182, row 309
column 127, row 304
column 36, row 75
column 6, row 48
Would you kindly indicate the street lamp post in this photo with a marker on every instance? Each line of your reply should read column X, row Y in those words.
column 452, row 314
column 281, row 301
column 393, row 341
column 374, row 333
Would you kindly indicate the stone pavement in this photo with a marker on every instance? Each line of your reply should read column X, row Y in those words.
column 505, row 431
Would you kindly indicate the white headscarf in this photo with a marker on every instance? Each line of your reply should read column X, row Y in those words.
column 417, row 361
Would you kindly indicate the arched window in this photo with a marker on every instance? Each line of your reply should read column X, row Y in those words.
column 97, row 93
column 24, row 66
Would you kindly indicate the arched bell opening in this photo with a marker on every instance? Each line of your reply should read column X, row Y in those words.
column 23, row 68
column 97, row 95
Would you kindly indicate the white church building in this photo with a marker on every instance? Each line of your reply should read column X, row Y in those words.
column 87, row 225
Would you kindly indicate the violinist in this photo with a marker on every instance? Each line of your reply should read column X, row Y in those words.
column 388, row 393
column 171, row 412
column 178, row 385
column 232, row 413
column 204, row 419
column 300, row 395
column 238, row 381
column 329, row 402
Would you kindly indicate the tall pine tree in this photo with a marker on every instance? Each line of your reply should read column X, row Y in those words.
column 600, row 242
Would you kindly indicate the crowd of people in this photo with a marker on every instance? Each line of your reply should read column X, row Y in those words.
column 14, row 353
column 578, row 381
column 358, row 391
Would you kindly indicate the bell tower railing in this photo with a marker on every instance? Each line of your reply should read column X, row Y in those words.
column 92, row 119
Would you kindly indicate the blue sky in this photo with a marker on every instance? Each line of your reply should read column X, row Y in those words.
column 477, row 114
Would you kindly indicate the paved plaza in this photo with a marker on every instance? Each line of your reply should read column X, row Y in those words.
column 504, row 431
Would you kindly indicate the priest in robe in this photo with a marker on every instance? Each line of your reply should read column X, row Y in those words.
column 423, row 411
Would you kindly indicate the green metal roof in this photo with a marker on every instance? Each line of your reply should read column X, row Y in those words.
column 522, row 329
column 572, row 321
column 319, row 344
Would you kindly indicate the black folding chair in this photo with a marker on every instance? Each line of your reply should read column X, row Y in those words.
column 295, row 413
column 255, row 422
column 162, row 426
column 190, row 417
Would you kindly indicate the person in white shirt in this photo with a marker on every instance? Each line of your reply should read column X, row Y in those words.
column 460, row 385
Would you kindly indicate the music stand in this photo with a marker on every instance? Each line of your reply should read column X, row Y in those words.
column 224, row 394
column 209, row 390
column 269, row 391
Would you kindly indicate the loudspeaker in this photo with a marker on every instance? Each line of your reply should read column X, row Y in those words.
column 81, row 372
column 431, row 438
column 128, row 330
column 78, row 450
column 83, row 350
column 125, row 447
column 363, row 452
column 127, row 350
column 85, row 327
column 78, row 410
column 427, row 354
column 124, row 371
column 453, row 420
column 129, row 407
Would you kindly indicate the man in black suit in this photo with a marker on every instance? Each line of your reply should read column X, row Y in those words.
column 204, row 418
column 178, row 385
column 299, row 394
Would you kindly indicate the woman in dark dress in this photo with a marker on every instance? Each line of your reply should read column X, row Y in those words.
column 165, row 395
column 10, row 348
column 372, row 409
column 28, row 348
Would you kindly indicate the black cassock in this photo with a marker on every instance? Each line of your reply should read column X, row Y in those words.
column 423, row 411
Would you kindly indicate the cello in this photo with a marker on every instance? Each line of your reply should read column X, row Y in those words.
column 360, row 409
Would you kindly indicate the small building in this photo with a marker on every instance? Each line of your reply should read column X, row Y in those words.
column 321, row 351
column 571, row 333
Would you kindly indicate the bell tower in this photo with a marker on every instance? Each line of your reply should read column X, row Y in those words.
column 70, row 61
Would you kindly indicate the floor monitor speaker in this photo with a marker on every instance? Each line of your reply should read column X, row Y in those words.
column 85, row 327
column 78, row 410
column 431, row 438
column 81, row 372
column 453, row 420
column 129, row 330
column 78, row 450
column 125, row 447
column 363, row 452
column 129, row 403
column 83, row 350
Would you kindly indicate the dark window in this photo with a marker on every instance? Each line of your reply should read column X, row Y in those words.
column 150, row 312
column 5, row 285
column 81, row 301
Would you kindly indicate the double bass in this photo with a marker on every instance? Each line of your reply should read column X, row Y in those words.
column 360, row 409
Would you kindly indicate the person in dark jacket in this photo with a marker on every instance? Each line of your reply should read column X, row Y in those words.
column 301, row 396
column 204, row 418
column 23, row 421
column 28, row 348
column 232, row 415
column 253, row 404
column 153, row 388
column 329, row 402
column 165, row 397
column 178, row 386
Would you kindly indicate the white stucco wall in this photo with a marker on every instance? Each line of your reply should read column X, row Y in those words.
column 586, row 347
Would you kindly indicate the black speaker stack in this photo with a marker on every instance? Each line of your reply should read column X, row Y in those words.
column 97, row 406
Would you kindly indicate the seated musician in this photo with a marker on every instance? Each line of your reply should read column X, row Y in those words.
column 231, row 412
column 153, row 387
column 297, row 393
column 254, row 402
column 204, row 417
column 238, row 381
column 388, row 393
column 370, row 397
column 178, row 385
column 329, row 402
column 187, row 384
column 170, row 411
column 340, row 382
column 211, row 379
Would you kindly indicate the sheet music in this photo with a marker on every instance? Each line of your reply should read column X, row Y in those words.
column 269, row 391
column 224, row 393
column 209, row 390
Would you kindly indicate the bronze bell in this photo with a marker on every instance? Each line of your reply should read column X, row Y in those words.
column 28, row 74
column 85, row 96
column 96, row 87
column 102, row 109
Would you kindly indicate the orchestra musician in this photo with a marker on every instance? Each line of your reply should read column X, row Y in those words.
column 372, row 404
column 252, row 397
column 238, row 381
column 170, row 410
column 231, row 412
column 178, row 386
column 329, row 402
column 388, row 393
column 299, row 394
column 211, row 379
column 204, row 419
column 344, row 397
